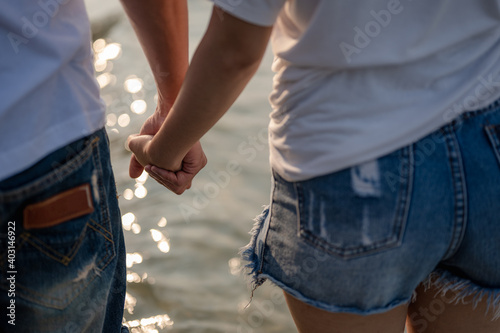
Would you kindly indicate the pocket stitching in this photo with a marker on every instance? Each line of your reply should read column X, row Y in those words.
column 107, row 252
column 397, row 227
column 494, row 140
column 50, row 252
column 55, row 303
column 59, row 302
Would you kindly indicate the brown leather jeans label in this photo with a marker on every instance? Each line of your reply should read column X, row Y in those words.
column 60, row 208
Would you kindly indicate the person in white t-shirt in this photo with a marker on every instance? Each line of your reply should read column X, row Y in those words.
column 385, row 150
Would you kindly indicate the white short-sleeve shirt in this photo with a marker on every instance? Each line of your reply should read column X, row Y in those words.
column 356, row 80
column 49, row 96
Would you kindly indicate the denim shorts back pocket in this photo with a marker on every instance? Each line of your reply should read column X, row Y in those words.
column 55, row 264
column 360, row 210
column 493, row 132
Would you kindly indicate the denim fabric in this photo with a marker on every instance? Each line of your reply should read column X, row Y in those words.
column 362, row 239
column 69, row 277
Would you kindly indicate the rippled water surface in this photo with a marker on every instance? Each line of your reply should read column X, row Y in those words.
column 183, row 266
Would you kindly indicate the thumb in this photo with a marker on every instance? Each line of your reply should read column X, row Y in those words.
column 135, row 169
column 135, row 142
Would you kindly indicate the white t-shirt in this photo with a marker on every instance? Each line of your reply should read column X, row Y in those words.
column 356, row 80
column 49, row 96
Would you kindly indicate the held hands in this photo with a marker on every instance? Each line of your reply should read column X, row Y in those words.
column 176, row 181
column 150, row 127
column 179, row 181
column 182, row 173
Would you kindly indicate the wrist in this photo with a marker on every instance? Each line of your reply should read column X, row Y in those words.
column 160, row 156
column 162, row 108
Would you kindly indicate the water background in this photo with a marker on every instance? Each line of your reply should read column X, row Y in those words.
column 183, row 266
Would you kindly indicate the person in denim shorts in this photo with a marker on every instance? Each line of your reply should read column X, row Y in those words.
column 62, row 252
column 385, row 149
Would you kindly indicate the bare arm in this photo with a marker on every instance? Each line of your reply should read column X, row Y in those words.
column 162, row 29
column 224, row 62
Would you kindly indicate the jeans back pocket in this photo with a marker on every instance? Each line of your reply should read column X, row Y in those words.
column 56, row 264
column 493, row 132
column 360, row 210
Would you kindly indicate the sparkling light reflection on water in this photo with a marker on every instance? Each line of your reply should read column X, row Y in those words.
column 187, row 270
column 104, row 54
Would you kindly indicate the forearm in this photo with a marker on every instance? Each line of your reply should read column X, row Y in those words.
column 162, row 29
column 224, row 62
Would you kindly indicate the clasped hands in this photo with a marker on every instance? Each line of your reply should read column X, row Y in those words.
column 176, row 176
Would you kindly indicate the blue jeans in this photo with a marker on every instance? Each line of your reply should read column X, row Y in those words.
column 362, row 239
column 65, row 272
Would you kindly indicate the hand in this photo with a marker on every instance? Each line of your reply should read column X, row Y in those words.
column 179, row 177
column 150, row 127
column 179, row 181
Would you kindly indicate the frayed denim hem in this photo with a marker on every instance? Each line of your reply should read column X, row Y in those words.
column 252, row 254
column 249, row 254
column 337, row 308
column 445, row 281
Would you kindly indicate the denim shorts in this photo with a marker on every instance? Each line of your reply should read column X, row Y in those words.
column 69, row 276
column 362, row 239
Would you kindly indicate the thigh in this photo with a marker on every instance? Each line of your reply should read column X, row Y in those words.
column 310, row 319
column 435, row 311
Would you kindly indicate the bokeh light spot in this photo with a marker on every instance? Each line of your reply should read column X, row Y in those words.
column 142, row 178
column 139, row 106
column 110, row 51
column 140, row 192
column 133, row 84
column 100, row 65
column 133, row 258
column 124, row 120
column 99, row 45
column 163, row 222
column 111, row 120
column 127, row 220
column 136, row 228
column 104, row 79
column 128, row 194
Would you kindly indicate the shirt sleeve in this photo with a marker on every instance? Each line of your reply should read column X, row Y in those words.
column 258, row 12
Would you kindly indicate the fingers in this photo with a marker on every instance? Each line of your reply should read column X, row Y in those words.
column 169, row 176
column 168, row 179
column 135, row 168
column 136, row 142
column 176, row 181
column 130, row 138
column 138, row 145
